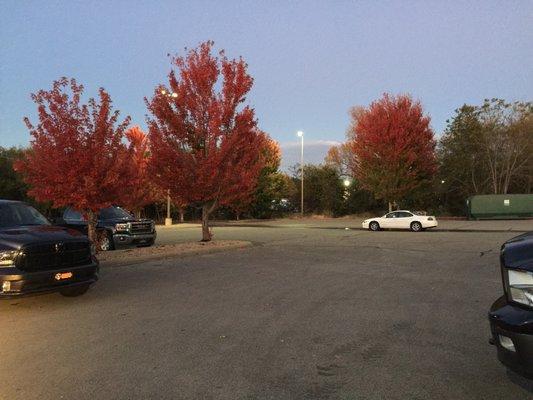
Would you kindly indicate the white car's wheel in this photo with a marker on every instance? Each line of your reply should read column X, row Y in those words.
column 373, row 226
column 416, row 226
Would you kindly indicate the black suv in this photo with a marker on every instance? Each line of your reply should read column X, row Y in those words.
column 511, row 316
column 116, row 227
column 36, row 257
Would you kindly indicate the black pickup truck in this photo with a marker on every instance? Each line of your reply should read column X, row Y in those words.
column 116, row 227
column 511, row 316
column 37, row 257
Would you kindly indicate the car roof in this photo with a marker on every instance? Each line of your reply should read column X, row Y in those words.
column 5, row 201
column 111, row 206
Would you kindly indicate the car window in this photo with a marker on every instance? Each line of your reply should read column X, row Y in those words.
column 73, row 215
column 405, row 214
column 395, row 214
column 114, row 213
column 20, row 214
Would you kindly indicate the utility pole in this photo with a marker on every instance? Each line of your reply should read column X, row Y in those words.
column 168, row 220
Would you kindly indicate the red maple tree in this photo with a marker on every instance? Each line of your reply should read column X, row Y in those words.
column 143, row 190
column 77, row 158
column 271, row 159
column 205, row 144
column 272, row 154
column 393, row 146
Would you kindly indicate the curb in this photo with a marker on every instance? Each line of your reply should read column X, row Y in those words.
column 118, row 258
column 179, row 226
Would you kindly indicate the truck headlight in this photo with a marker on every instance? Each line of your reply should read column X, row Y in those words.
column 7, row 258
column 122, row 227
column 521, row 286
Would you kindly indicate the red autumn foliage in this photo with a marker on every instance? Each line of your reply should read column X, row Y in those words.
column 143, row 190
column 141, row 148
column 271, row 154
column 271, row 159
column 206, row 147
column 393, row 147
column 77, row 157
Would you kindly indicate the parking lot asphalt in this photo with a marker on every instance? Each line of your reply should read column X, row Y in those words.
column 265, row 230
column 311, row 311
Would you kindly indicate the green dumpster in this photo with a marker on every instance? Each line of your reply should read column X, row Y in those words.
column 500, row 206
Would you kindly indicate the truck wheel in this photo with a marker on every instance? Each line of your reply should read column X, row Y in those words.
column 74, row 291
column 106, row 242
column 373, row 226
column 416, row 226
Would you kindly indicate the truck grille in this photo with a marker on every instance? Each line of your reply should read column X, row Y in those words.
column 141, row 227
column 55, row 255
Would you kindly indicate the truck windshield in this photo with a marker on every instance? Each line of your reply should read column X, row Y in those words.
column 114, row 213
column 20, row 214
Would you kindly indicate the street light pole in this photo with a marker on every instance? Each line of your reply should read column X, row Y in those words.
column 168, row 220
column 301, row 135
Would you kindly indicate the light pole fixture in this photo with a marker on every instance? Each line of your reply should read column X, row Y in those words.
column 346, row 182
column 301, row 136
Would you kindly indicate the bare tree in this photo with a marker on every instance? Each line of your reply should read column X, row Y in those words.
column 488, row 149
column 507, row 141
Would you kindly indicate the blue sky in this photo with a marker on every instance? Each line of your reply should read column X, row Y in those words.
column 311, row 60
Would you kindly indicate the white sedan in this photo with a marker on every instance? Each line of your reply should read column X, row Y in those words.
column 401, row 219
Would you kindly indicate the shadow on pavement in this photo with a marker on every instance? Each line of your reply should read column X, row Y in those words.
column 526, row 384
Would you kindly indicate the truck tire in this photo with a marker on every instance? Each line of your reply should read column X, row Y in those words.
column 106, row 242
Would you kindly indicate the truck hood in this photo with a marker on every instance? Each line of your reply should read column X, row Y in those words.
column 114, row 221
column 16, row 237
column 123, row 220
column 518, row 252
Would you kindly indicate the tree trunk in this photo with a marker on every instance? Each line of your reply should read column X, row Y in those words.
column 206, row 232
column 237, row 215
column 91, row 228
column 137, row 214
column 390, row 206
column 181, row 212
